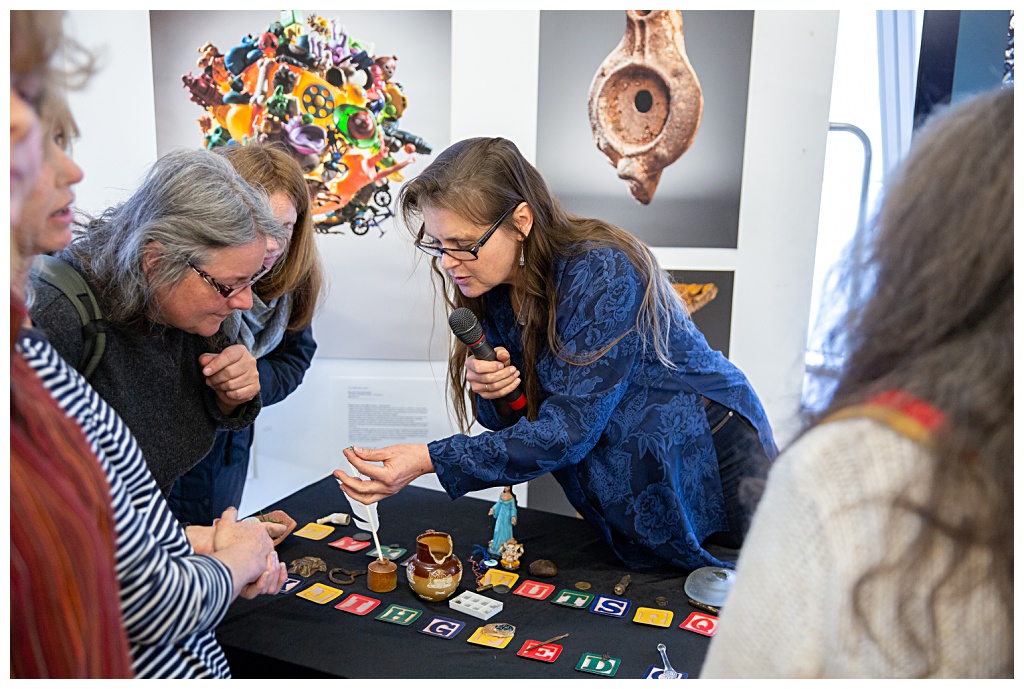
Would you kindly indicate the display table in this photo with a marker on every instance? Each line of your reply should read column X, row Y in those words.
column 289, row 636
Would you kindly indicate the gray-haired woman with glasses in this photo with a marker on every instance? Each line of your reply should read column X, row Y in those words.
column 167, row 266
column 648, row 430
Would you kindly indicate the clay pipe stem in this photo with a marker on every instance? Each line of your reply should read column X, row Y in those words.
column 545, row 643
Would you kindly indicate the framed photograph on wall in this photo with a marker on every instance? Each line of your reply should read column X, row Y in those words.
column 708, row 294
column 697, row 199
column 400, row 320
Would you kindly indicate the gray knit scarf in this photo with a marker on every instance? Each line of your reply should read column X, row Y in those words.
column 261, row 328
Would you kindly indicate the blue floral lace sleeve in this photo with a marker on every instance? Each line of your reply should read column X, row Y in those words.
column 625, row 436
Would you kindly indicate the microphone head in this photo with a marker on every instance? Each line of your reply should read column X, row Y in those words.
column 465, row 325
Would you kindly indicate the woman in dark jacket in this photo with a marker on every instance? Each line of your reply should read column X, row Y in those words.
column 277, row 330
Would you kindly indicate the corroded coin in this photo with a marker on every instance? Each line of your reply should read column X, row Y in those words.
column 500, row 588
column 582, row 585
column 362, row 536
column 661, row 601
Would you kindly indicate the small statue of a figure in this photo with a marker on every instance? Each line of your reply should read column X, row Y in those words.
column 511, row 551
column 504, row 513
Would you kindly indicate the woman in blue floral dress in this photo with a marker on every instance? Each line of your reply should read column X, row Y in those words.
column 655, row 438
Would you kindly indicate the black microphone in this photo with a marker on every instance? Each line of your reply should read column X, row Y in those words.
column 467, row 328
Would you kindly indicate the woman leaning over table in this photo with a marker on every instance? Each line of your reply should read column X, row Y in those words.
column 168, row 266
column 277, row 330
column 650, row 433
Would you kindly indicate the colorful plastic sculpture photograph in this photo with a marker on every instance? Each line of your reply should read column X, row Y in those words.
column 308, row 84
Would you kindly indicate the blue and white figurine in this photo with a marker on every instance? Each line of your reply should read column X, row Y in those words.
column 504, row 513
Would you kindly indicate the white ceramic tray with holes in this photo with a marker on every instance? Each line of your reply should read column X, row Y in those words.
column 476, row 605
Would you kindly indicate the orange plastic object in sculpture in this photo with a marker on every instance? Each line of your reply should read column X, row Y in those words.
column 645, row 101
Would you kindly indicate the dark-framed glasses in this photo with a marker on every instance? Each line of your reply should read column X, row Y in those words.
column 470, row 254
column 224, row 290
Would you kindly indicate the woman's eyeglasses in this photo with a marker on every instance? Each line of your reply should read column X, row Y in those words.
column 470, row 254
column 224, row 290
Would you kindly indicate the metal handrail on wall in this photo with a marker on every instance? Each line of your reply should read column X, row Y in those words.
column 866, row 178
column 825, row 368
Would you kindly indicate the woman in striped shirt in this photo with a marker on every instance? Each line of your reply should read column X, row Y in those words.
column 174, row 588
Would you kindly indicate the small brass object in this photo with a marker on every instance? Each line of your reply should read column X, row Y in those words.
column 661, row 601
column 704, row 606
column 582, row 585
column 620, row 588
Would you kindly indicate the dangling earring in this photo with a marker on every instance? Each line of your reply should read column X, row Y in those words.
column 522, row 257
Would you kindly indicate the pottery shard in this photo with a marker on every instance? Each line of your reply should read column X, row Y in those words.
column 280, row 517
column 543, row 568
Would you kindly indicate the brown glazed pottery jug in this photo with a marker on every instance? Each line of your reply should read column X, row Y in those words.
column 434, row 573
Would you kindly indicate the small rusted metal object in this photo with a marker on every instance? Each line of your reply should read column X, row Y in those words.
column 645, row 101
column 620, row 588
column 350, row 574
column 307, row 566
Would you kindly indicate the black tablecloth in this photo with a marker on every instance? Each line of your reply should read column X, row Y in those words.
column 288, row 636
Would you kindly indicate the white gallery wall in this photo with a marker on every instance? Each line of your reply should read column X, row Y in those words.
column 494, row 63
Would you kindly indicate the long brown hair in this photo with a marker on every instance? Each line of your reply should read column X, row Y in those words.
column 479, row 179
column 938, row 323
column 300, row 273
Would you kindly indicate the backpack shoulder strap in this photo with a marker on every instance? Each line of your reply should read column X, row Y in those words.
column 900, row 411
column 69, row 281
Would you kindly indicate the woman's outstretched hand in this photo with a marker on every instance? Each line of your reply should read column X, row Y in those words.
column 400, row 465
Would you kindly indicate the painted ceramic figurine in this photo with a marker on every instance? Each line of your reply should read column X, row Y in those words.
column 511, row 551
column 504, row 513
